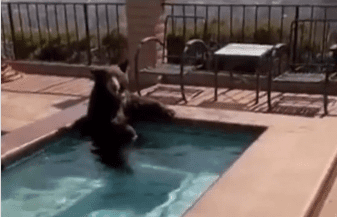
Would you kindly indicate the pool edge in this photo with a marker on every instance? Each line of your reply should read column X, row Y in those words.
column 25, row 140
column 64, row 119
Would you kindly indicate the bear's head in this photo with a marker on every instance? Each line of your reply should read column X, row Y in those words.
column 106, row 79
column 114, row 73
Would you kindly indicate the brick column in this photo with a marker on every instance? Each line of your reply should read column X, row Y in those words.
column 144, row 19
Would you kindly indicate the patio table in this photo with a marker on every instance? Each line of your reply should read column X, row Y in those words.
column 242, row 58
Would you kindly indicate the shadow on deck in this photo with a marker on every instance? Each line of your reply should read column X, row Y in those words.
column 243, row 100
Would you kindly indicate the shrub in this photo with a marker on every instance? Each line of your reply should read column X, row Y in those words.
column 116, row 43
column 263, row 35
column 82, row 44
column 24, row 46
column 54, row 50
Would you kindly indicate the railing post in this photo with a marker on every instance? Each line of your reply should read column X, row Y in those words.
column 325, row 35
column 29, row 23
column 107, row 20
column 11, row 23
column 195, row 20
column 66, row 20
column 76, row 23
column 173, row 26
column 21, row 28
column 243, row 23
column 324, row 38
column 57, row 22
column 38, row 23
column 87, row 32
column 98, row 33
column 231, row 23
column 282, row 18
column 256, row 17
column 269, row 19
column 206, row 25
column 3, row 35
column 47, row 22
column 219, row 22
column 117, row 19
column 295, row 34
column 184, row 24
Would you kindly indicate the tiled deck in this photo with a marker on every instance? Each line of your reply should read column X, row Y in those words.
column 36, row 96
column 244, row 100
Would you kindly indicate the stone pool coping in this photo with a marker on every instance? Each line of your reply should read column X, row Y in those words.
column 287, row 171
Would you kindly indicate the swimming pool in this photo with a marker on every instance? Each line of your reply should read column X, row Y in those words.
column 172, row 167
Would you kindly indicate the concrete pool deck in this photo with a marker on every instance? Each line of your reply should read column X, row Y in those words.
column 286, row 172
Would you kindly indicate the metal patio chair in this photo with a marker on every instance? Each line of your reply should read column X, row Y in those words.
column 181, row 69
column 297, row 62
column 195, row 55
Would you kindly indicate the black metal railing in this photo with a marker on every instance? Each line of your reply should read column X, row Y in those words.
column 305, row 45
column 69, row 29
column 95, row 30
column 258, row 23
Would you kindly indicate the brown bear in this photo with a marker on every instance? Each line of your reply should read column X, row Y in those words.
column 110, row 137
column 112, row 108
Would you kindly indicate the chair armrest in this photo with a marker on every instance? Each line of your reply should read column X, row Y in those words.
column 196, row 41
column 150, row 38
column 278, row 49
column 280, row 46
column 205, row 49
column 333, row 48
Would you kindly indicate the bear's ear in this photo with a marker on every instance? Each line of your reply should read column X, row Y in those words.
column 124, row 65
column 94, row 73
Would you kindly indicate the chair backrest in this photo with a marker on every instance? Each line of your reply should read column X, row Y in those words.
column 174, row 43
column 197, row 53
column 309, row 41
column 195, row 50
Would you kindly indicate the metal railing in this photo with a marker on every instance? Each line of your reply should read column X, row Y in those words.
column 259, row 23
column 84, row 27
column 306, row 43
column 74, row 24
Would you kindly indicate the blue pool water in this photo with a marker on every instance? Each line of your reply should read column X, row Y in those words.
column 172, row 167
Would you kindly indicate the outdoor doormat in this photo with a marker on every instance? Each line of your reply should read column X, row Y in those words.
column 314, row 100
column 295, row 110
column 223, row 105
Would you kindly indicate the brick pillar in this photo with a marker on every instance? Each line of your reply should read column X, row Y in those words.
column 144, row 19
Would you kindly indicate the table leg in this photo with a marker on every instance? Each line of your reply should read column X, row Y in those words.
column 216, row 67
column 269, row 88
column 231, row 79
column 257, row 85
column 325, row 96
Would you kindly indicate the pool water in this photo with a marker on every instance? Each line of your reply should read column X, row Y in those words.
column 172, row 166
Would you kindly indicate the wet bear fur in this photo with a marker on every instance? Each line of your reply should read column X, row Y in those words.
column 137, row 109
column 113, row 110
column 110, row 137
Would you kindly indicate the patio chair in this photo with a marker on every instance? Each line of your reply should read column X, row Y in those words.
column 298, row 62
column 194, row 55
column 181, row 69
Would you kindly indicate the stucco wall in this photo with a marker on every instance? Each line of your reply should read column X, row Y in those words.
column 144, row 19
